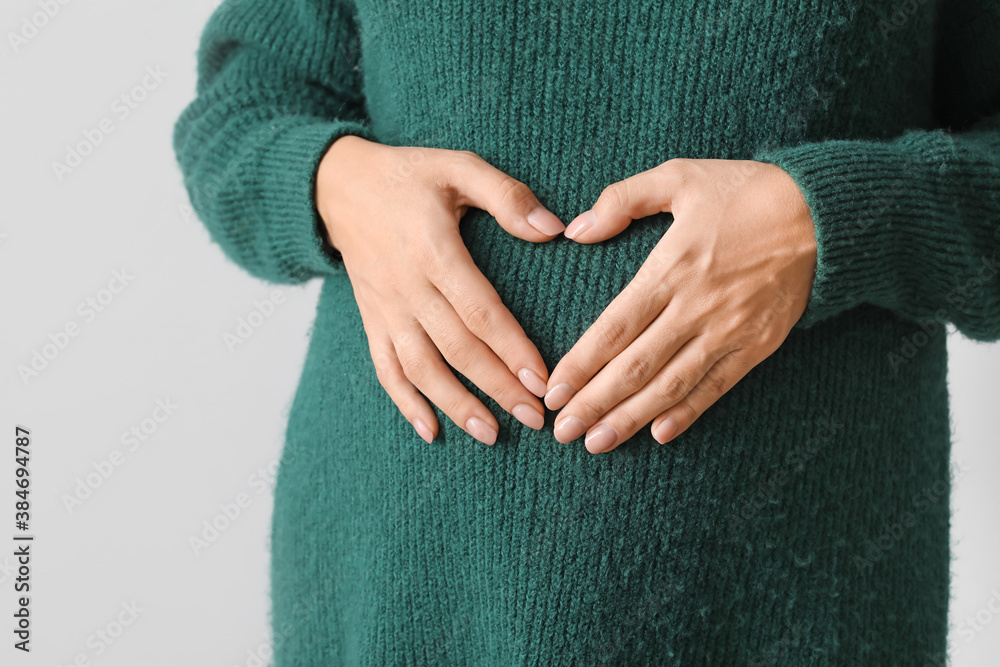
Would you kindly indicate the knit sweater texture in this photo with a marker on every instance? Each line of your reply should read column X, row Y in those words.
column 804, row 519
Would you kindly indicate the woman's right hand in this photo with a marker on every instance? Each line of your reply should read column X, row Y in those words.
column 393, row 214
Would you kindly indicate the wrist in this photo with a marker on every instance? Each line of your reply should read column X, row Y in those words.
column 332, row 176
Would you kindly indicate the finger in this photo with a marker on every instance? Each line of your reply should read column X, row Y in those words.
column 471, row 357
column 670, row 386
column 625, row 318
column 620, row 203
column 623, row 376
column 724, row 375
column 390, row 374
column 411, row 404
column 483, row 313
column 426, row 370
column 511, row 202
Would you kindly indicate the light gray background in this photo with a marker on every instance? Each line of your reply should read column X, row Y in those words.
column 124, row 208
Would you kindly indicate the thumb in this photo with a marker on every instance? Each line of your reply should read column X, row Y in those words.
column 507, row 199
column 646, row 193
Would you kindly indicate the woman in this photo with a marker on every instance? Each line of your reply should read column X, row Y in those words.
column 774, row 210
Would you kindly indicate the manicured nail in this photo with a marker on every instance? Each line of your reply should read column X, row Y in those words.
column 601, row 438
column 422, row 430
column 546, row 222
column 528, row 416
column 480, row 430
column 532, row 382
column 569, row 429
column 558, row 396
column 580, row 224
column 666, row 430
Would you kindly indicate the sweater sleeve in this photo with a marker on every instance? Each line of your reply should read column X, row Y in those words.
column 278, row 82
column 912, row 224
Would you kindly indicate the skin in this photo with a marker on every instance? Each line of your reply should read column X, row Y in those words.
column 717, row 295
column 393, row 214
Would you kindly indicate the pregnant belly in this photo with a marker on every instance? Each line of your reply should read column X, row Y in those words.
column 559, row 288
column 529, row 525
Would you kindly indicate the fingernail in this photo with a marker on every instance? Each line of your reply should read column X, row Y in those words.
column 422, row 430
column 528, row 416
column 666, row 430
column 532, row 382
column 580, row 224
column 481, row 431
column 545, row 221
column 569, row 429
column 600, row 439
column 558, row 396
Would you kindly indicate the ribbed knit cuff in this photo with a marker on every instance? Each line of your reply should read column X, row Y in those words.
column 287, row 191
column 869, row 200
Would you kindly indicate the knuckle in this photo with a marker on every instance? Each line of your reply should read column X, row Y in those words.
column 589, row 408
column 456, row 166
column 455, row 405
column 416, row 368
column 680, row 166
column 434, row 314
column 674, row 389
column 426, row 252
column 452, row 406
column 770, row 346
column 680, row 170
column 383, row 368
column 703, row 359
column 616, row 195
column 513, row 193
column 626, row 421
column 507, row 349
column 749, row 330
column 715, row 381
column 464, row 160
column 479, row 318
column 772, row 335
column 454, row 350
column 685, row 414
column 634, row 371
column 501, row 394
column 611, row 335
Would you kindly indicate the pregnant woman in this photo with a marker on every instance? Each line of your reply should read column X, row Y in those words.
column 630, row 348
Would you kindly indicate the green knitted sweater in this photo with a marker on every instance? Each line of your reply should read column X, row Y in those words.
column 804, row 519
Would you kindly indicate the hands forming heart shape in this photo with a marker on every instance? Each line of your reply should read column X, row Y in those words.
column 716, row 296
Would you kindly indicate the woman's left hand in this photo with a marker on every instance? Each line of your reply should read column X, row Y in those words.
column 717, row 295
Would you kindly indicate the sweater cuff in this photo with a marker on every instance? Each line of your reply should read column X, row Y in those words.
column 862, row 198
column 287, row 194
